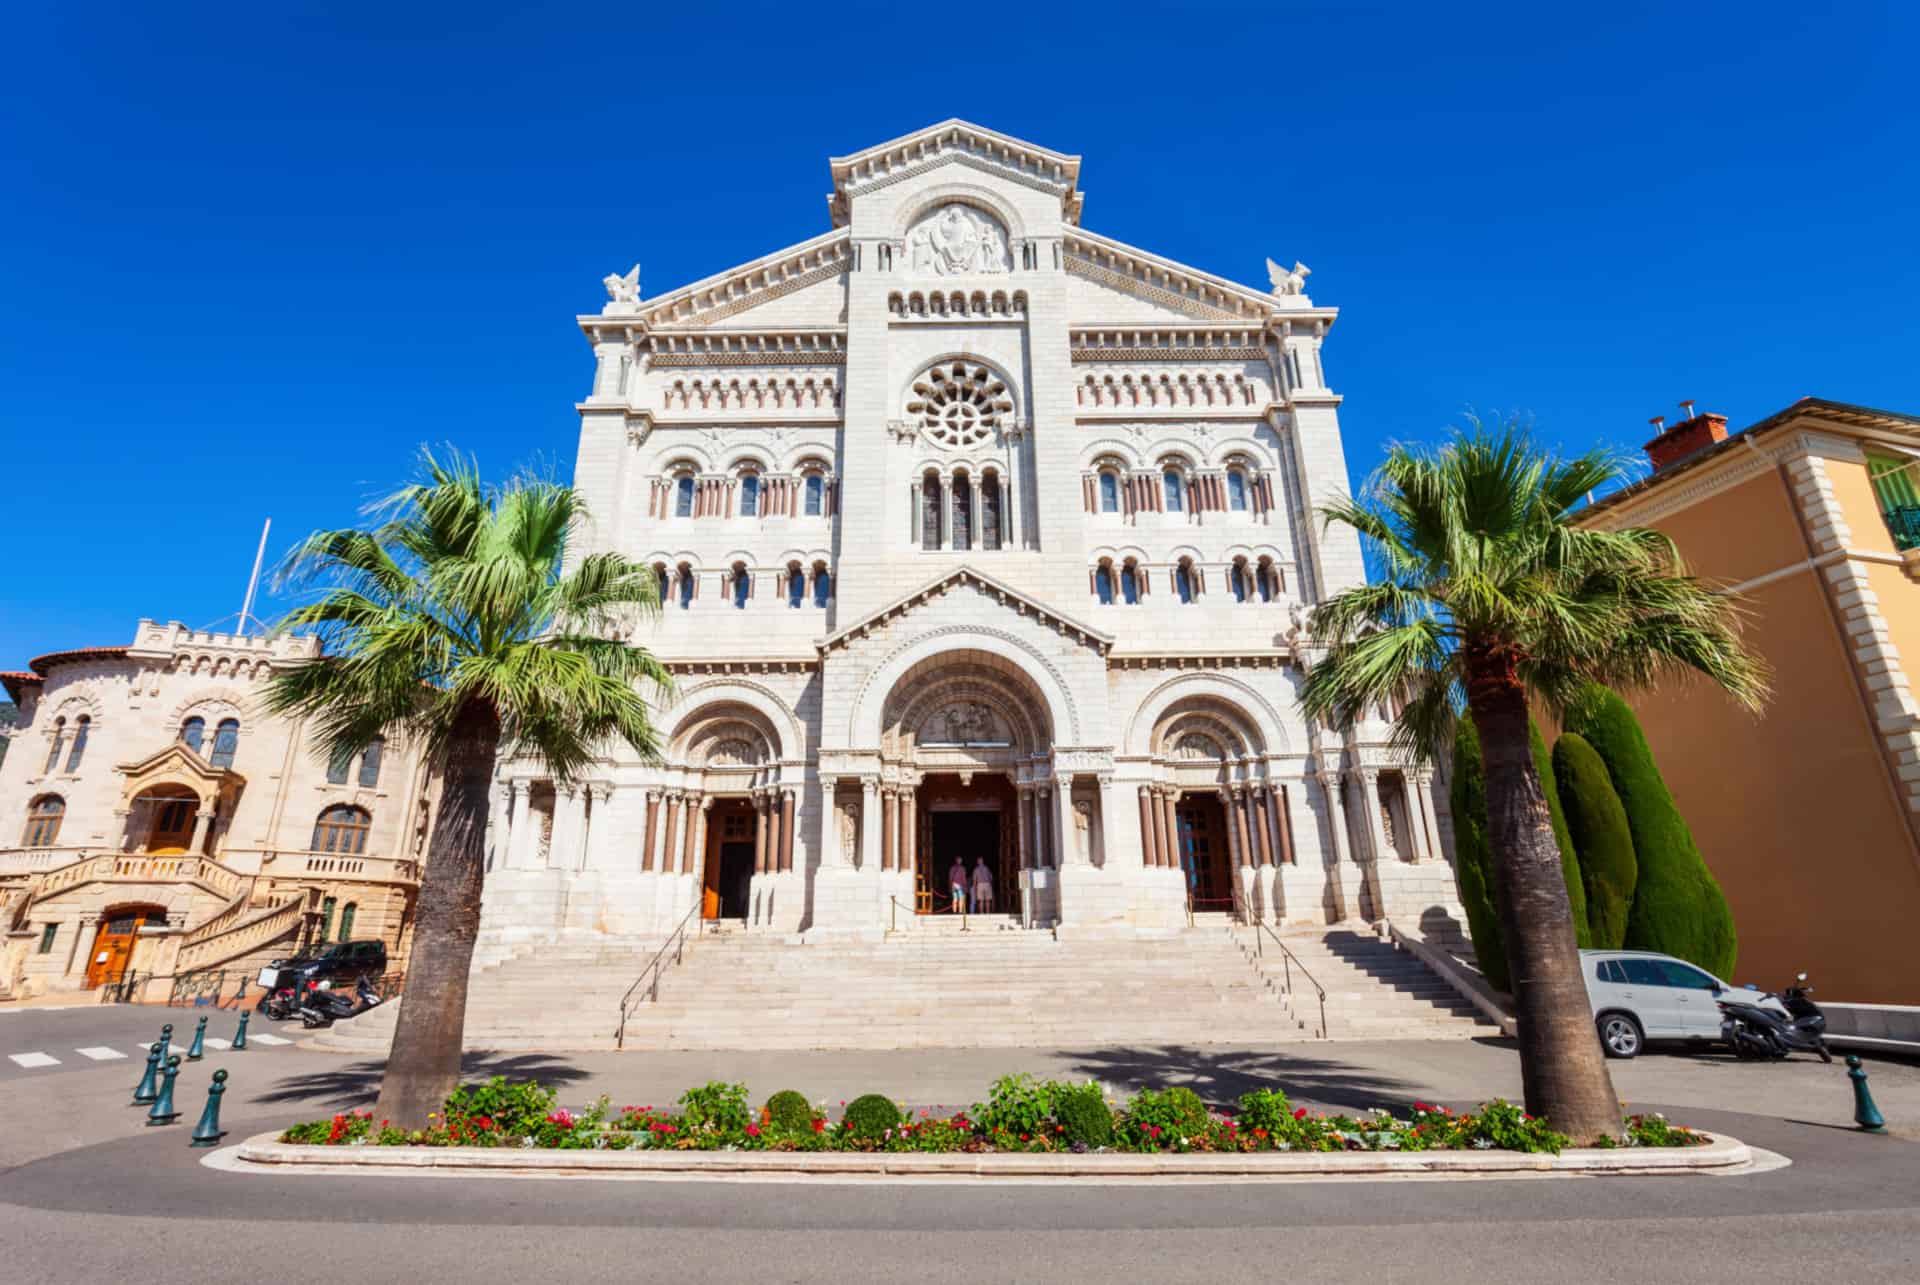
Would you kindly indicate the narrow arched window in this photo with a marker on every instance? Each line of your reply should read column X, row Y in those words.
column 370, row 762
column 1183, row 581
column 342, row 829
column 1237, row 581
column 192, row 732
column 1130, row 584
column 962, row 512
column 1176, row 493
column 796, row 585
column 683, row 497
column 749, row 495
column 1109, row 493
column 53, row 750
column 990, row 512
column 686, row 586
column 1237, row 491
column 1269, row 580
column 43, row 821
column 930, row 511
column 79, row 749
column 822, row 584
column 742, row 584
column 346, row 920
column 663, row 583
column 226, row 742
column 339, row 767
column 816, row 495
column 1103, row 583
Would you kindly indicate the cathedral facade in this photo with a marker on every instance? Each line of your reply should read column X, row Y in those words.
column 979, row 536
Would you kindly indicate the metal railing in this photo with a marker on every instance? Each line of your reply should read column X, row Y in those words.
column 208, row 986
column 1903, row 524
column 122, row 988
column 1289, row 962
column 650, row 975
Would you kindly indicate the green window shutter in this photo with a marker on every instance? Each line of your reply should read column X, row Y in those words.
column 1893, row 481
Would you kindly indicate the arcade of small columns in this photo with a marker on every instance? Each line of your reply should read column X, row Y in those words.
column 675, row 832
column 1259, row 824
column 895, row 842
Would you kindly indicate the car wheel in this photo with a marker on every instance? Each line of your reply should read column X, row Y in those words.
column 1620, row 1035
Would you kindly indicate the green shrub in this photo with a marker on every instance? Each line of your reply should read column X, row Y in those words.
column 790, row 1112
column 718, row 1106
column 1163, row 1119
column 1265, row 1109
column 1569, row 855
column 1678, row 909
column 1473, row 859
column 516, row 1110
column 1083, row 1115
column 1017, row 1104
column 870, row 1116
column 1598, row 824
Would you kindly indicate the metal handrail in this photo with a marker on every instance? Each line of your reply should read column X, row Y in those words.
column 677, row 942
column 893, row 914
column 1289, row 962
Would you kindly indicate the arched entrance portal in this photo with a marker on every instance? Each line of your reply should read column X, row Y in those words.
column 972, row 819
column 1201, row 823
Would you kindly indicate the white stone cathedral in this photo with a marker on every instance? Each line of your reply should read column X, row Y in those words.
column 980, row 536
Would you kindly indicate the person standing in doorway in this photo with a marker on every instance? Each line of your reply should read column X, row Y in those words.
column 982, row 887
column 957, row 885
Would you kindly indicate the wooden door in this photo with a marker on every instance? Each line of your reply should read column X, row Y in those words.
column 172, row 826
column 112, row 948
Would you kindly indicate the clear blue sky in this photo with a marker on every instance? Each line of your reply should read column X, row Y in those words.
column 255, row 255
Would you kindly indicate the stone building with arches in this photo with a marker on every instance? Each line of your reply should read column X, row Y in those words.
column 156, row 822
column 979, row 534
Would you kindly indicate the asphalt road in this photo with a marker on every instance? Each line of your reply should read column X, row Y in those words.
column 90, row 1193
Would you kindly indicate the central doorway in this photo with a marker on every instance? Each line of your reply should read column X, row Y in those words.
column 113, row 944
column 1201, row 822
column 727, row 876
column 973, row 821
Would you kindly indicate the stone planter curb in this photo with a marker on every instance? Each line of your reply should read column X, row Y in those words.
column 262, row 1152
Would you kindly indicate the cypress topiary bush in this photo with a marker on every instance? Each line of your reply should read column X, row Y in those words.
column 1678, row 908
column 1598, row 825
column 1473, row 859
column 790, row 1112
column 870, row 1116
column 1569, row 856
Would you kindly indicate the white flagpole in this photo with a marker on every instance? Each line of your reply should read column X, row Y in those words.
column 253, row 581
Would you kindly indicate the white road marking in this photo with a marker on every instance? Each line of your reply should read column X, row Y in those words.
column 220, row 1044
column 269, row 1039
column 32, row 1059
column 100, row 1053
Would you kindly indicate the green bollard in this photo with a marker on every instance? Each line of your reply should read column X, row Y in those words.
column 162, row 1111
column 208, row 1132
column 194, row 1051
column 240, row 1037
column 145, row 1092
column 166, row 1041
column 1865, row 1113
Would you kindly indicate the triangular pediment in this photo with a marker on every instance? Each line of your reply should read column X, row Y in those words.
column 1006, row 595
column 1168, row 288
column 955, row 142
column 725, row 295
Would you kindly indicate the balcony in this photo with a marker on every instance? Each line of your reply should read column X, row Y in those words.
column 1903, row 523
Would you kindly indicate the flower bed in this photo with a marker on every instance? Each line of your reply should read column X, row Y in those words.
column 1021, row 1115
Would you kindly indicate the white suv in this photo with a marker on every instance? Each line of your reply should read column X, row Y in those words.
column 1639, row 995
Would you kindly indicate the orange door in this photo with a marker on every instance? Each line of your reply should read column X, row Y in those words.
column 172, row 827
column 112, row 948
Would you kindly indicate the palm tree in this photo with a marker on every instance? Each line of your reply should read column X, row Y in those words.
column 456, row 621
column 1489, row 598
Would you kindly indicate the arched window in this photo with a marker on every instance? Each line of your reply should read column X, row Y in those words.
column 346, row 920
column 990, row 511
column 1109, row 492
column 192, row 732
column 796, row 585
column 663, row 583
column 53, row 750
column 338, row 768
column 43, row 821
column 749, row 495
column 1237, row 580
column 683, row 496
column 1129, row 583
column 370, row 762
column 686, row 586
column 816, row 495
column 1176, row 490
column 742, row 585
column 342, row 828
column 822, row 584
column 1103, row 583
column 962, row 512
column 80, row 726
column 930, row 510
column 1183, row 582
column 1237, row 490
column 1269, row 580
column 226, row 741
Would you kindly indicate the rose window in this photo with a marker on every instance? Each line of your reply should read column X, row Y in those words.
column 960, row 404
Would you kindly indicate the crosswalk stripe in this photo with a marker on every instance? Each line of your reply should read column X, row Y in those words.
column 100, row 1053
column 220, row 1044
column 32, row 1059
column 271, row 1039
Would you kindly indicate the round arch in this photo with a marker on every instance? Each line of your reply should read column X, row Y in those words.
column 960, row 644
column 982, row 198
column 697, row 704
column 1258, row 712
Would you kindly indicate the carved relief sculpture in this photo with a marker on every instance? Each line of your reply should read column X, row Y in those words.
column 850, row 833
column 1082, row 829
column 956, row 240
column 623, row 289
column 1288, row 282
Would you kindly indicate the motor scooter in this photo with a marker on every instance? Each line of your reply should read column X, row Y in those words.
column 1756, row 1030
column 323, row 1006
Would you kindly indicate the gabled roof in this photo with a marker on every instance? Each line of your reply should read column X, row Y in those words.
column 180, row 761
column 945, row 143
column 1007, row 594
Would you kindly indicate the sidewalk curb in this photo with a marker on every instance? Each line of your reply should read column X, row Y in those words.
column 263, row 1154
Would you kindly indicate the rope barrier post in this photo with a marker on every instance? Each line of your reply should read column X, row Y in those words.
column 208, row 1132
column 162, row 1111
column 195, row 1051
column 145, row 1092
column 240, row 1036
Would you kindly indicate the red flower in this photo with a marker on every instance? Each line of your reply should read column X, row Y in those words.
column 1301, row 1114
column 819, row 1125
column 753, row 1131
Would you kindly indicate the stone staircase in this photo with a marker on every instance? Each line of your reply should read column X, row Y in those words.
column 935, row 985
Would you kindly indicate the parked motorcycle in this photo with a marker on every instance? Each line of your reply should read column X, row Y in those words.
column 280, row 990
column 1757, row 1030
column 323, row 1006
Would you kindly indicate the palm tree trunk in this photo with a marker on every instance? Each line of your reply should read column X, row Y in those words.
column 423, row 1066
column 1562, row 1070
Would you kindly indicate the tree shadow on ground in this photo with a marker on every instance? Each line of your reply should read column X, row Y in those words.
column 1220, row 1076
column 357, row 1084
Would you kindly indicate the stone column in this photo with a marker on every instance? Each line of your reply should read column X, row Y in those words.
column 889, row 829
column 1149, row 850
column 502, row 825
column 1064, row 851
column 775, row 831
column 1336, row 818
column 1259, row 800
column 1023, row 818
column 946, row 510
column 1370, row 809
column 906, row 855
column 1105, row 823
column 697, row 809
column 1236, row 833
column 1169, row 829
column 1429, row 835
column 202, row 823
column 646, row 843
column 869, row 823
column 760, row 834
column 1280, row 807
column 599, row 826
column 565, row 818
column 525, row 827
column 668, row 831
column 786, row 831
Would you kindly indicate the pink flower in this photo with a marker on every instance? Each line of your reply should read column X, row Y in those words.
column 753, row 1131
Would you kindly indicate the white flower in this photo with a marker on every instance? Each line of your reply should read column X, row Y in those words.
column 1483, row 1144
column 527, row 1141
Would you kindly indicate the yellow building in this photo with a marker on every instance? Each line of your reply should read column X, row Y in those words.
column 1809, row 814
